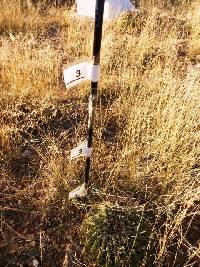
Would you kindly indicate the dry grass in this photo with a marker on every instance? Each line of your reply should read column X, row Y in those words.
column 146, row 147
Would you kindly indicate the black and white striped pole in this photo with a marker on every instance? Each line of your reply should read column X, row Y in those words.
column 94, row 84
column 75, row 75
column 90, row 71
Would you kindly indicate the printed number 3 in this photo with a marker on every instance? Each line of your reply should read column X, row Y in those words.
column 78, row 73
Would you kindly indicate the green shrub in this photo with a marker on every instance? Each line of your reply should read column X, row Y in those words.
column 116, row 236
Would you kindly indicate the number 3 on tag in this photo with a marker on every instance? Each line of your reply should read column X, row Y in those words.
column 78, row 73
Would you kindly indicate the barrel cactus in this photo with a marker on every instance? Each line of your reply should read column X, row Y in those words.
column 116, row 236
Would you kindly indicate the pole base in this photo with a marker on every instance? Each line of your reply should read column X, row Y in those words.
column 80, row 191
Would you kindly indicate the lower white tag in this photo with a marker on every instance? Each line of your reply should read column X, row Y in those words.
column 80, row 191
column 76, row 74
column 82, row 150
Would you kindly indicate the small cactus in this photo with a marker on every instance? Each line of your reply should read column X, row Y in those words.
column 116, row 236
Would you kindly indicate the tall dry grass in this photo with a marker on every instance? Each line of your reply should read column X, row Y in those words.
column 146, row 147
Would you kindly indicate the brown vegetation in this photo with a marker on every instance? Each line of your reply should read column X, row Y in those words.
column 146, row 148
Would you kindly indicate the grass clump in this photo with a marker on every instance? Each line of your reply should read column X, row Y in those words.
column 117, row 236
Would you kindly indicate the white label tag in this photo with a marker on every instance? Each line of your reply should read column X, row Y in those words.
column 86, row 8
column 80, row 191
column 116, row 8
column 75, row 74
column 81, row 150
column 81, row 72
column 112, row 8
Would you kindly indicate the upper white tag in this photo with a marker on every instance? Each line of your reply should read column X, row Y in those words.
column 112, row 8
column 86, row 8
column 76, row 74
column 82, row 150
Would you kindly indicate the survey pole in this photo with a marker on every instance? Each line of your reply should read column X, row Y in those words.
column 99, row 11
